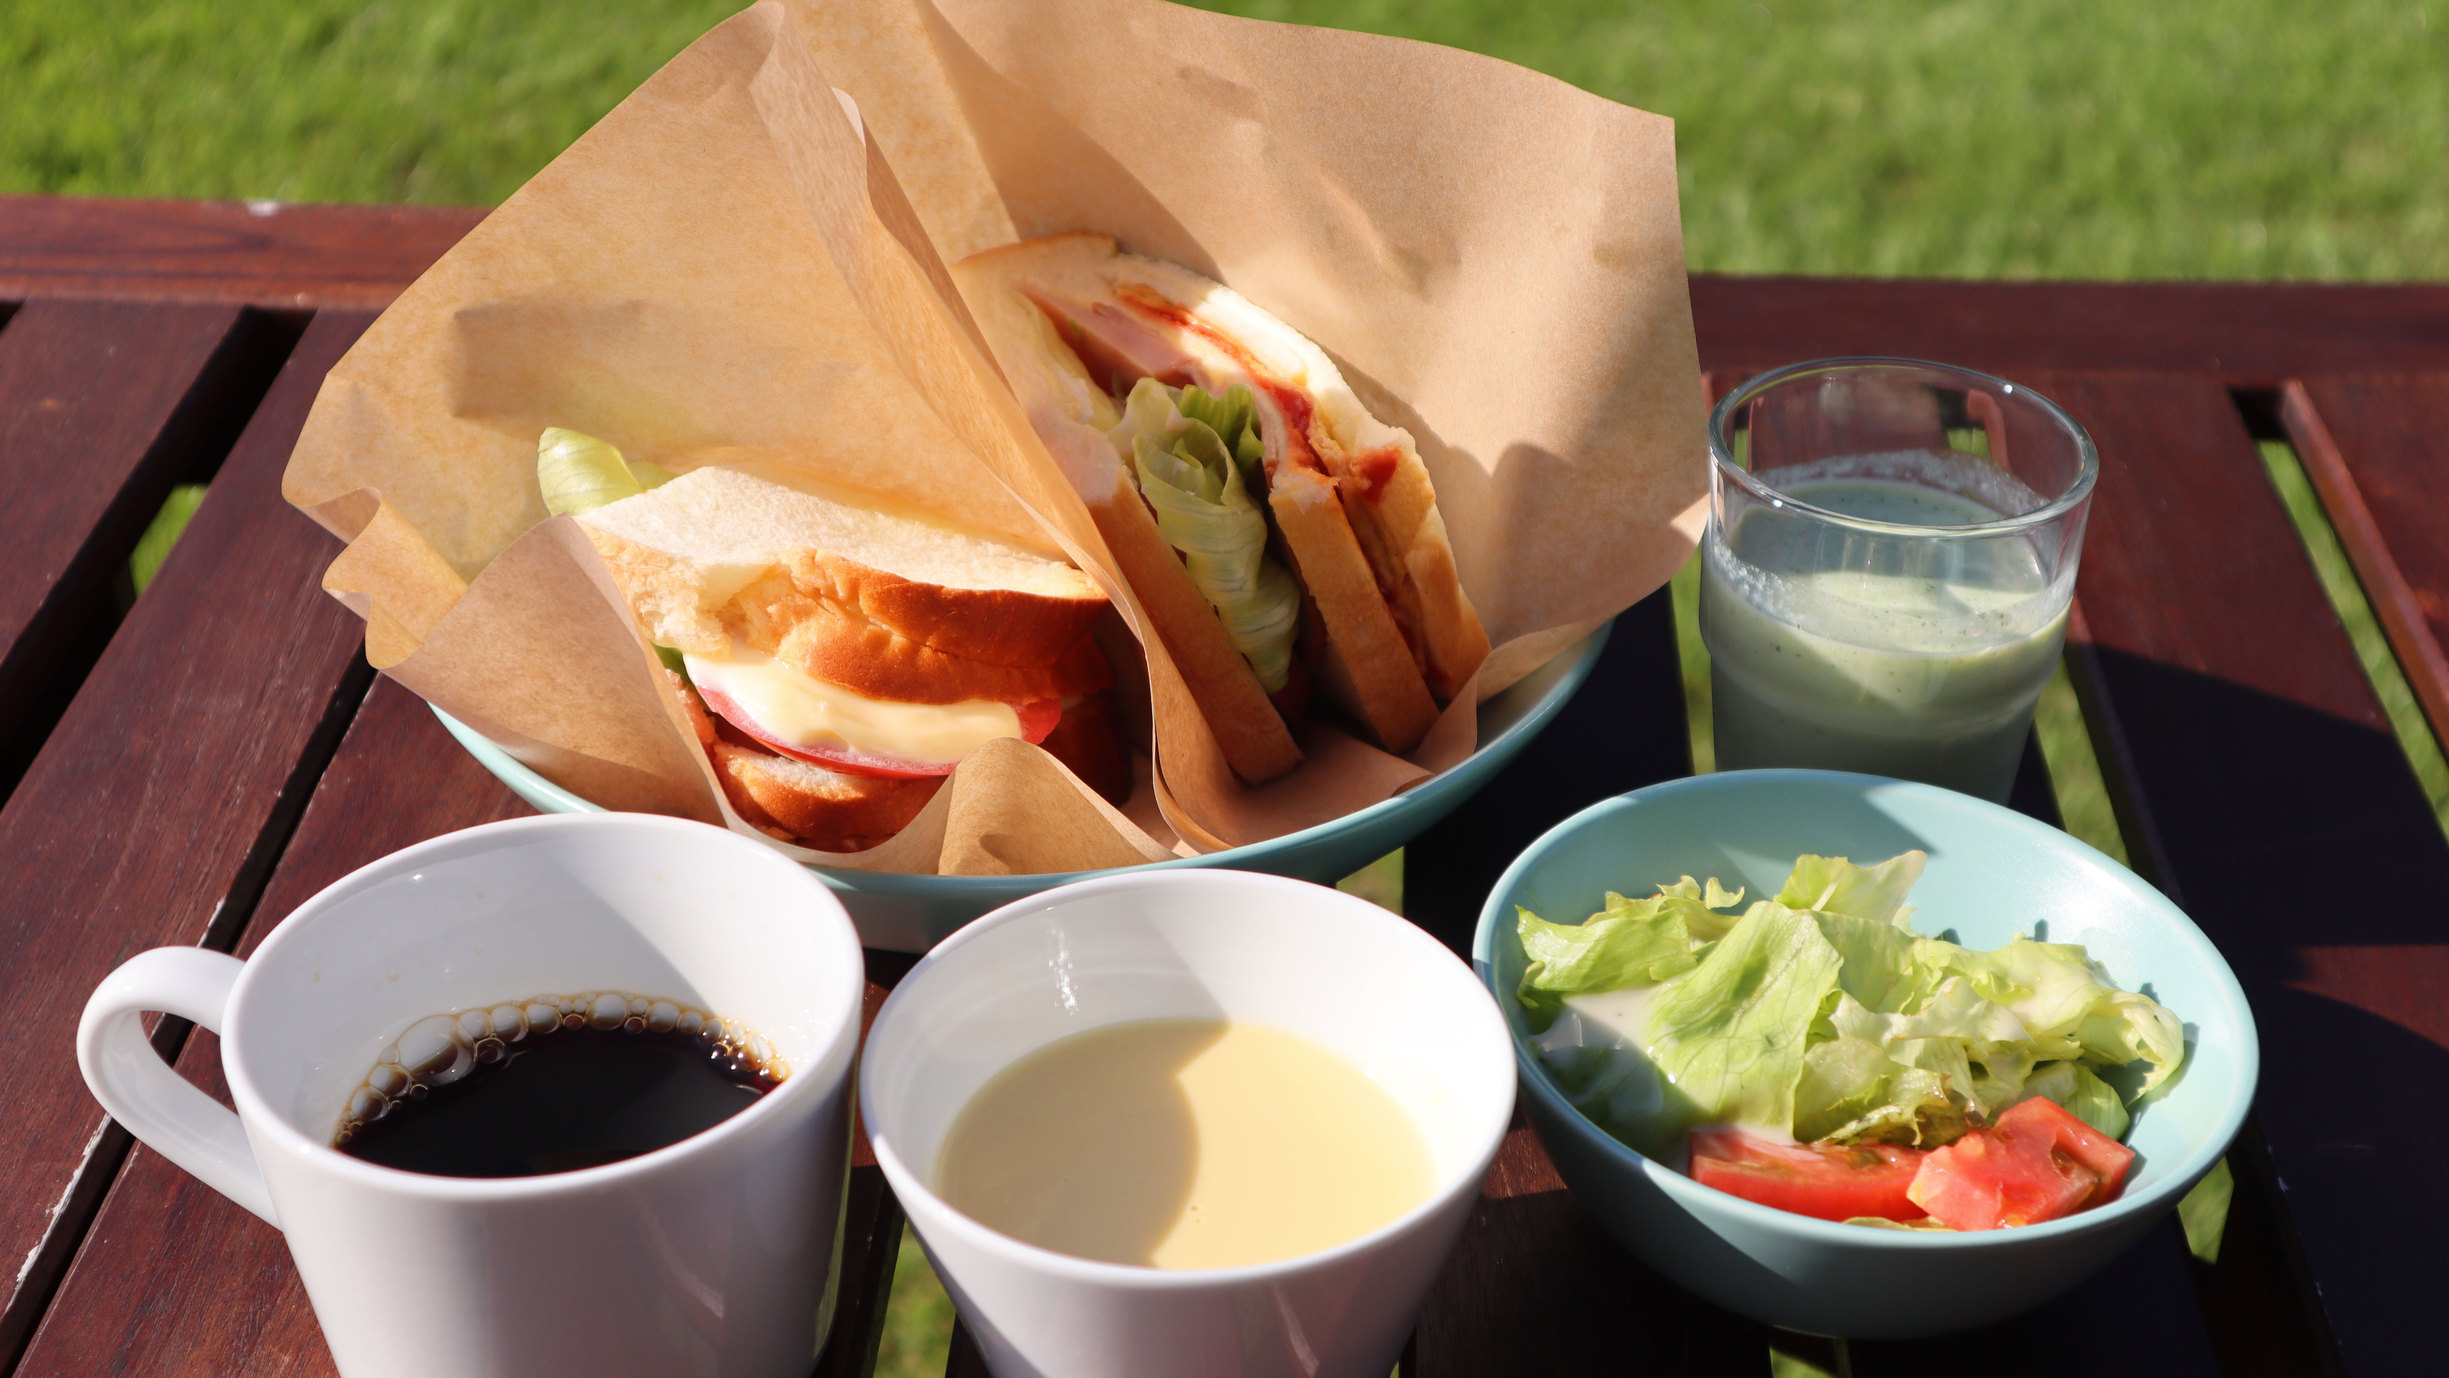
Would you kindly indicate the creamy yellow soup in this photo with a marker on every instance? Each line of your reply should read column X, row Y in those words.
column 1183, row 1143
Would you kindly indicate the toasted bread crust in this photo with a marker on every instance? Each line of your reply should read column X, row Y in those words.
column 1392, row 507
column 833, row 641
column 1365, row 664
column 825, row 809
column 997, row 626
column 1248, row 730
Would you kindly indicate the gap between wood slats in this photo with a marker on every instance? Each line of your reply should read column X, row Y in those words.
column 2257, row 1301
column 66, row 633
column 77, row 1209
column 2246, row 743
column 172, row 1276
column 171, row 787
column 2395, row 602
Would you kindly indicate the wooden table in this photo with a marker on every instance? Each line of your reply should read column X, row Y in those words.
column 189, row 768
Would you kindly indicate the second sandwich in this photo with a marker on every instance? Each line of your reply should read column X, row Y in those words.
column 1278, row 535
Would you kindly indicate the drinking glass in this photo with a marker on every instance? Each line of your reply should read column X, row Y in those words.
column 1885, row 579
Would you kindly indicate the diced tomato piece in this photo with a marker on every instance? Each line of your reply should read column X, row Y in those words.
column 1827, row 1181
column 2106, row 1157
column 1037, row 718
column 2007, row 1174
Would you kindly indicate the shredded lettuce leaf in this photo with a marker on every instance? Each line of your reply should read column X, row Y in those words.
column 1196, row 457
column 1730, row 1034
column 1823, row 1014
column 1234, row 419
column 579, row 473
column 1834, row 885
column 1852, row 1091
column 1627, row 943
column 2085, row 1096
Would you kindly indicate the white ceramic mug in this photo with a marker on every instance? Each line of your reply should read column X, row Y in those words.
column 712, row 1256
column 1335, row 970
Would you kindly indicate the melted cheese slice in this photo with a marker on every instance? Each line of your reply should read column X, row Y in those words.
column 800, row 710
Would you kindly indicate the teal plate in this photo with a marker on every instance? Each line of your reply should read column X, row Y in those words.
column 911, row 913
column 1993, row 874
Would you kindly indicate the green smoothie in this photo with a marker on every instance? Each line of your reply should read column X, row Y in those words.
column 1842, row 649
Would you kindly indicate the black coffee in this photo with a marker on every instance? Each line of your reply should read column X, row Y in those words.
column 552, row 1084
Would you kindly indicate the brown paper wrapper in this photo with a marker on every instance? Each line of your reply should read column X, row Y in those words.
column 744, row 263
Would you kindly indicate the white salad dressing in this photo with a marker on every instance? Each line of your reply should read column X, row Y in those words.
column 1617, row 1022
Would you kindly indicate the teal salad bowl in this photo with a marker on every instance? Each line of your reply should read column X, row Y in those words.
column 911, row 913
column 1993, row 874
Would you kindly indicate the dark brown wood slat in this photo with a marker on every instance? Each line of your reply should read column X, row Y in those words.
column 2147, row 1291
column 963, row 1360
column 2253, row 760
column 154, row 811
column 2244, row 334
column 261, row 252
column 175, row 1279
column 2376, row 449
column 1537, row 1287
column 103, row 406
column 336, row 255
column 871, row 1242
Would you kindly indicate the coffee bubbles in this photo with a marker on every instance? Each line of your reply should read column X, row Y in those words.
column 445, row 1049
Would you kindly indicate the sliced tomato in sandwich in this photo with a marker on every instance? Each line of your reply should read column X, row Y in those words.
column 1037, row 718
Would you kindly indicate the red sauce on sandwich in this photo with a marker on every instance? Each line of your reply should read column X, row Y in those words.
column 1371, row 469
column 1291, row 402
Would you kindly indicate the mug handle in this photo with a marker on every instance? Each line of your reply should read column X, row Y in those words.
column 142, row 1092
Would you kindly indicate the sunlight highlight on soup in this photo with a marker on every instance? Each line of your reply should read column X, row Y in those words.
column 1179, row 1143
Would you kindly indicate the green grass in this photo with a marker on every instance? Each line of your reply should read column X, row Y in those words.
column 2012, row 138
column 917, row 1318
column 2355, row 613
column 1984, row 138
column 452, row 101
column 161, row 533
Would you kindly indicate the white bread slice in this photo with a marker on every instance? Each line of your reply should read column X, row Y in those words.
column 1354, row 503
column 888, row 603
column 1071, row 415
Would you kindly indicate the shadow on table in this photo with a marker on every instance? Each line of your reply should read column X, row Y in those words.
column 2303, row 845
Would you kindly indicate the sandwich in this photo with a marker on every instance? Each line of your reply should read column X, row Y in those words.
column 836, row 656
column 1281, row 539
